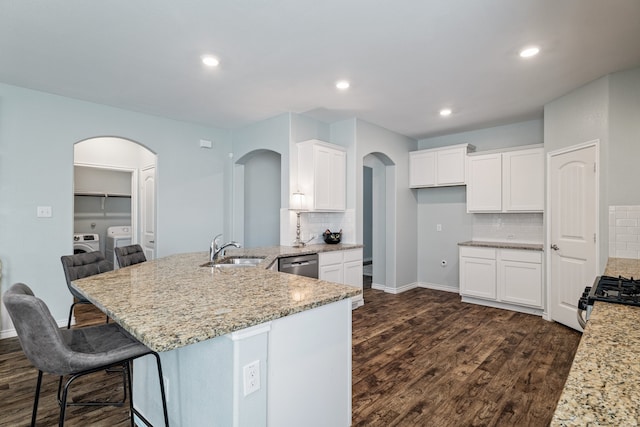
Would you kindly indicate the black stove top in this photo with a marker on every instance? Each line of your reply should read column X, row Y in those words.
column 620, row 290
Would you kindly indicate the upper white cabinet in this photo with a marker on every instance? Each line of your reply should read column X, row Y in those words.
column 436, row 167
column 322, row 171
column 511, row 181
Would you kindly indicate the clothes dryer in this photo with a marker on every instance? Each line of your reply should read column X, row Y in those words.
column 117, row 236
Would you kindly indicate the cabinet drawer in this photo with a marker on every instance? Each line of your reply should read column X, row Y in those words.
column 475, row 252
column 352, row 255
column 329, row 258
column 534, row 257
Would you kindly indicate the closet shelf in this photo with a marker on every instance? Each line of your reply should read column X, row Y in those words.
column 96, row 194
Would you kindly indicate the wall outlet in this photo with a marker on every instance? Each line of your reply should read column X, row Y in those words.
column 438, row 227
column 43, row 212
column 251, row 374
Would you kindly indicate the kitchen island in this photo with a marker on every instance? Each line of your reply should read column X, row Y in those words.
column 603, row 388
column 213, row 325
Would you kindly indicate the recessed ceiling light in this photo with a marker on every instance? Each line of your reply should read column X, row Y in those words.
column 445, row 112
column 529, row 52
column 210, row 61
column 342, row 85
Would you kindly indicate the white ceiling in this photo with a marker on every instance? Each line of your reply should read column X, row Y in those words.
column 405, row 59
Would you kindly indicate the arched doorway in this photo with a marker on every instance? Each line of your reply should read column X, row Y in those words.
column 257, row 198
column 114, row 186
column 378, row 229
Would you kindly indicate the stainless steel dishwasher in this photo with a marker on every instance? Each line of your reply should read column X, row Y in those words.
column 302, row 265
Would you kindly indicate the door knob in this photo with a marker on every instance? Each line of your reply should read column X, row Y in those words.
column 555, row 247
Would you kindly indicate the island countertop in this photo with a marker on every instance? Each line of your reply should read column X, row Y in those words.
column 173, row 302
column 602, row 387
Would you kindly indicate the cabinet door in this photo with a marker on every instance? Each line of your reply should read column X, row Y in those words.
column 478, row 277
column 331, row 273
column 450, row 166
column 329, row 178
column 422, row 169
column 484, row 183
column 523, row 180
column 520, row 283
column 353, row 274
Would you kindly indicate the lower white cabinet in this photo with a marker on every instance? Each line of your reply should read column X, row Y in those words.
column 511, row 278
column 343, row 267
column 478, row 272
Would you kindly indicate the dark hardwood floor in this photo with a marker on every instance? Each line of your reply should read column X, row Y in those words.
column 420, row 358
column 423, row 358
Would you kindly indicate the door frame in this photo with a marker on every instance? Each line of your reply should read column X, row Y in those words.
column 134, row 192
column 547, row 315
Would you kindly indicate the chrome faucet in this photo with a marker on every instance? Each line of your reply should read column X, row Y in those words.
column 216, row 251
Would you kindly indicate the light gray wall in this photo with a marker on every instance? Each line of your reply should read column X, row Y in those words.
column 37, row 135
column 448, row 205
column 578, row 117
column 367, row 211
column 624, row 138
column 262, row 200
column 402, row 217
column 608, row 110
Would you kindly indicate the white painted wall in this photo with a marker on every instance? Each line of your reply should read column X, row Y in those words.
column 37, row 135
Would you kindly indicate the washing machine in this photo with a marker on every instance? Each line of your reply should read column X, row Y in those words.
column 117, row 236
column 85, row 243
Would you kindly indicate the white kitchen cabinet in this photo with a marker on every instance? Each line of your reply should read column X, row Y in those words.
column 523, row 180
column 511, row 181
column 322, row 171
column 484, row 187
column 505, row 278
column 343, row 267
column 478, row 272
column 438, row 167
column 520, row 277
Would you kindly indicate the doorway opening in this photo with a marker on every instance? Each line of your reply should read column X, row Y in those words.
column 378, row 216
column 114, row 189
column 258, row 202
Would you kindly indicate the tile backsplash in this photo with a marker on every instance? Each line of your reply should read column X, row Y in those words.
column 624, row 232
column 317, row 222
column 516, row 227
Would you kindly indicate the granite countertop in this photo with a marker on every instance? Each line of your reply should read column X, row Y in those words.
column 603, row 387
column 172, row 302
column 503, row 245
column 272, row 253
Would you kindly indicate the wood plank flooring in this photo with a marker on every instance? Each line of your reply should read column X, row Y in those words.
column 423, row 358
column 420, row 358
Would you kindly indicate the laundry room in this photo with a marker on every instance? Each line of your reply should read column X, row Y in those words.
column 102, row 209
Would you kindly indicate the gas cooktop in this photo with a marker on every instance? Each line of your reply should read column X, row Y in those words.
column 620, row 290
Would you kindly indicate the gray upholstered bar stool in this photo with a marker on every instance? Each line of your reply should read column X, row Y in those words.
column 82, row 265
column 73, row 352
column 129, row 255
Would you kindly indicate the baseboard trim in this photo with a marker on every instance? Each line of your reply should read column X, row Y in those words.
column 438, row 287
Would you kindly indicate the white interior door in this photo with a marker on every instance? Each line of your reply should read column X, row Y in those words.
column 148, row 211
column 573, row 207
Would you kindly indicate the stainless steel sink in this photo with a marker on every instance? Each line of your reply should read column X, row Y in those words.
column 234, row 262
